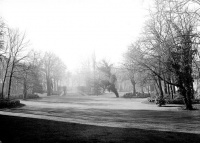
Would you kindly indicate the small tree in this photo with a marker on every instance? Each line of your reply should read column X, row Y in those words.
column 105, row 68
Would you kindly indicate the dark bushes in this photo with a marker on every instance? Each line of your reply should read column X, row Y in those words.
column 21, row 96
column 151, row 99
column 160, row 101
column 137, row 95
column 6, row 103
column 32, row 96
column 167, row 100
column 128, row 95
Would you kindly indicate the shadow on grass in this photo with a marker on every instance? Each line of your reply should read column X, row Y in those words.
column 18, row 106
column 13, row 107
column 171, row 106
column 27, row 130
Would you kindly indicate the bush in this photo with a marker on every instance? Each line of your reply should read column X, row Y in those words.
column 160, row 101
column 21, row 96
column 56, row 93
column 32, row 96
column 142, row 95
column 196, row 101
column 128, row 95
column 175, row 101
column 137, row 95
column 151, row 99
column 181, row 101
column 38, row 88
column 9, row 103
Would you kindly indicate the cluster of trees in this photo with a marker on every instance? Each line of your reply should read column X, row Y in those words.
column 24, row 71
column 97, row 77
column 167, row 50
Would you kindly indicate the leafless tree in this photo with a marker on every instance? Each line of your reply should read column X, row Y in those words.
column 169, row 45
column 54, row 70
column 14, row 54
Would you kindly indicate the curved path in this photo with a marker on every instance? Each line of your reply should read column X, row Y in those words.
column 110, row 111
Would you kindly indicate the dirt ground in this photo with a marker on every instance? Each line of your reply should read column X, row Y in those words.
column 106, row 110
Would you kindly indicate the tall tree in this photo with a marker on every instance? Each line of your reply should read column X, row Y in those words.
column 15, row 53
column 54, row 70
column 169, row 46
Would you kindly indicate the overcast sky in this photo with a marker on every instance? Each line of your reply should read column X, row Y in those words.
column 73, row 29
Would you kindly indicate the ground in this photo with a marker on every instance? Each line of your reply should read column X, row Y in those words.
column 78, row 118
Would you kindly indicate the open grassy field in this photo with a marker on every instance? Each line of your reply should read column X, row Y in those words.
column 76, row 118
column 28, row 130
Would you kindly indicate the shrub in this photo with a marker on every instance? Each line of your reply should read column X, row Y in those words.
column 175, row 101
column 32, row 96
column 160, row 101
column 151, row 99
column 38, row 88
column 128, row 95
column 56, row 93
column 9, row 103
column 181, row 101
column 196, row 101
column 142, row 95
column 21, row 96
column 137, row 95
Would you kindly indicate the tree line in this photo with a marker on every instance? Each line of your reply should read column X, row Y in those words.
column 27, row 71
column 167, row 50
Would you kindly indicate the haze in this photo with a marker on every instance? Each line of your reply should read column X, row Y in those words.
column 74, row 29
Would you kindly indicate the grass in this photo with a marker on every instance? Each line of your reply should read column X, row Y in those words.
column 28, row 130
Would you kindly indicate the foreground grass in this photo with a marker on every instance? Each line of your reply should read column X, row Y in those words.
column 27, row 130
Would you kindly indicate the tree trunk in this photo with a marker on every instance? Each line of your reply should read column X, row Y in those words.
column 172, row 93
column 4, row 79
column 165, row 87
column 160, row 88
column 9, row 86
column 186, row 93
column 25, row 89
column 114, row 90
column 133, row 83
column 148, row 90
column 142, row 89
column 173, row 86
column 48, row 87
column 187, row 100
column 10, row 80
column 168, row 88
column 2, row 88
column 54, row 85
column 156, row 83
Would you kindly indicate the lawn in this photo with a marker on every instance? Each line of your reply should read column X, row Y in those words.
column 27, row 130
column 97, row 119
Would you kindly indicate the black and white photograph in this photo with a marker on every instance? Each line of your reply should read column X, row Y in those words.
column 99, row 71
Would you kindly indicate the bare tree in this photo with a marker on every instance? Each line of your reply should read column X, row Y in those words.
column 59, row 74
column 1, row 35
column 15, row 53
column 25, row 76
column 54, row 70
column 169, row 46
